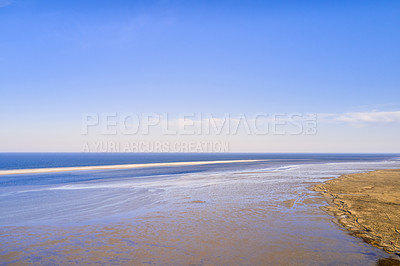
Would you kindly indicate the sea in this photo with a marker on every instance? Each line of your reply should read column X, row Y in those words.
column 269, row 201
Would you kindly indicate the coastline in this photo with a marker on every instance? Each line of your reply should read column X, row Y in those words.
column 368, row 205
column 243, row 216
column 115, row 167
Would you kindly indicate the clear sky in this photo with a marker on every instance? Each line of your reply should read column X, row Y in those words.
column 339, row 59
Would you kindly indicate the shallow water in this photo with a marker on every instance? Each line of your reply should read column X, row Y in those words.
column 246, row 213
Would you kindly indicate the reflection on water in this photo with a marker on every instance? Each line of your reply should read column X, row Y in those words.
column 247, row 215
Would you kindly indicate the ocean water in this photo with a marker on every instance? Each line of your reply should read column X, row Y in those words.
column 269, row 202
column 46, row 160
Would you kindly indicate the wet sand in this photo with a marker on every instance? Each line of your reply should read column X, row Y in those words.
column 114, row 167
column 264, row 218
column 193, row 234
column 219, row 224
column 368, row 205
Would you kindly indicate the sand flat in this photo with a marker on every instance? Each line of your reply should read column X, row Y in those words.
column 110, row 167
column 196, row 219
column 368, row 205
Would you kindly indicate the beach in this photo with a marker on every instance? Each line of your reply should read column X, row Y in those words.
column 251, row 213
column 368, row 205
column 199, row 133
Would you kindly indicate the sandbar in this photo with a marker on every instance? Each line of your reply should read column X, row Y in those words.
column 111, row 167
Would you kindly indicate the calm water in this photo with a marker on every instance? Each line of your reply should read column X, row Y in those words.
column 45, row 160
column 271, row 199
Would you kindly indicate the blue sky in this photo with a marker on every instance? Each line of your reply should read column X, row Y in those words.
column 59, row 59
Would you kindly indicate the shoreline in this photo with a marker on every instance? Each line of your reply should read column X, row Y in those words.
column 367, row 205
column 115, row 167
column 264, row 218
